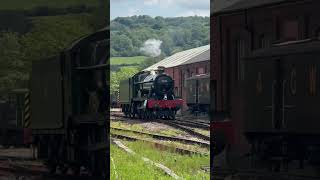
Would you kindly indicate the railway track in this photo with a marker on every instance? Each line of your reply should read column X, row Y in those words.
column 159, row 145
column 181, row 120
column 194, row 124
column 187, row 129
column 162, row 137
column 183, row 125
column 32, row 170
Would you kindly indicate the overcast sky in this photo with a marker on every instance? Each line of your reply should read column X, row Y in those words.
column 165, row 8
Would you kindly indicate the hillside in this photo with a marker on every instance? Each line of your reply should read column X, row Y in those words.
column 30, row 4
column 116, row 63
column 127, row 60
column 128, row 34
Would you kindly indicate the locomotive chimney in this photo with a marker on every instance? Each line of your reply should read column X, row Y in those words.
column 161, row 69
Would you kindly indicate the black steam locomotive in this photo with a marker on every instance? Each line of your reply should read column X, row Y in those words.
column 149, row 95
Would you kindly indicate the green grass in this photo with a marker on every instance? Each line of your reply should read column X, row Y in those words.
column 188, row 167
column 127, row 60
column 29, row 4
column 132, row 167
column 201, row 131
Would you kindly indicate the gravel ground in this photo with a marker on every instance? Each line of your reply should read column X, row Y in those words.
column 159, row 128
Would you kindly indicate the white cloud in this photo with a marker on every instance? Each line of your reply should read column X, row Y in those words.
column 193, row 4
column 198, row 12
column 150, row 2
column 162, row 3
column 133, row 11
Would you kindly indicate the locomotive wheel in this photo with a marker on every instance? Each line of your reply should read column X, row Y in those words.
column 144, row 115
column 152, row 115
column 147, row 115
column 172, row 114
column 139, row 114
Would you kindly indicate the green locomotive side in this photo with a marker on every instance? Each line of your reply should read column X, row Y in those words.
column 46, row 94
column 125, row 91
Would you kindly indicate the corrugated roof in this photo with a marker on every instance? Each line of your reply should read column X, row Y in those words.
column 218, row 5
column 179, row 58
column 246, row 4
column 205, row 56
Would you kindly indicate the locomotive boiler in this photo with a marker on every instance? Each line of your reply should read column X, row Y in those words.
column 149, row 95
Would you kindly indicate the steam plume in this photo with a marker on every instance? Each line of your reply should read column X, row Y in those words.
column 151, row 47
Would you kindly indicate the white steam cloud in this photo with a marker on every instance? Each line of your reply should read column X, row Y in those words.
column 151, row 47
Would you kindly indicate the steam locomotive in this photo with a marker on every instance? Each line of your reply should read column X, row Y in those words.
column 149, row 95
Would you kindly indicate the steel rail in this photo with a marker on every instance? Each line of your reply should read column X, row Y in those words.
column 163, row 137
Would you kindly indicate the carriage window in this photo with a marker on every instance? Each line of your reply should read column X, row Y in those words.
column 185, row 79
column 201, row 87
column 259, row 83
column 293, row 81
column 200, row 70
column 264, row 41
column 312, row 80
column 289, row 30
column 176, row 91
column 240, row 53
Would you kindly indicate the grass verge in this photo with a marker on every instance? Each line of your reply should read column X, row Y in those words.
column 132, row 167
column 188, row 167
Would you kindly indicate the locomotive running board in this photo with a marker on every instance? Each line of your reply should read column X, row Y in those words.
column 90, row 119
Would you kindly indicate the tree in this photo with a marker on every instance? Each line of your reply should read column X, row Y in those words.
column 13, row 70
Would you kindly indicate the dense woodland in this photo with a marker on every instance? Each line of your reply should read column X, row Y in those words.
column 177, row 34
column 37, row 31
